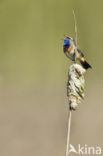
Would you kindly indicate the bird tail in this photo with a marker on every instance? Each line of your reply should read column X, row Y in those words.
column 85, row 64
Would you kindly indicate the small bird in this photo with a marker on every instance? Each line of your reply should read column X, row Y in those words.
column 72, row 51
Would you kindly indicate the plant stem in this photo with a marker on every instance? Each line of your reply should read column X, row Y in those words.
column 68, row 133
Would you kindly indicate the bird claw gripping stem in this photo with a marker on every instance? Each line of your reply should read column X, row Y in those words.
column 75, row 85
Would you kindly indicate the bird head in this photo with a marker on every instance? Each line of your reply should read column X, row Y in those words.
column 67, row 42
column 68, row 37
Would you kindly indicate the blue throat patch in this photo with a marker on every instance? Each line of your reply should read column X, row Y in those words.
column 66, row 44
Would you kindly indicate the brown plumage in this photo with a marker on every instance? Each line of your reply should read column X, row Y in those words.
column 80, row 57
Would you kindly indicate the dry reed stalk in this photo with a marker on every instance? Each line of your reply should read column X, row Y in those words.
column 75, row 93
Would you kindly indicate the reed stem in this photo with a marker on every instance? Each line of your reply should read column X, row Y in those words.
column 68, row 133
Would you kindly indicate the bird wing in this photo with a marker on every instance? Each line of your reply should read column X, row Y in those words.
column 80, row 52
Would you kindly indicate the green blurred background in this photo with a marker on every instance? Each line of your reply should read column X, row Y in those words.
column 33, row 76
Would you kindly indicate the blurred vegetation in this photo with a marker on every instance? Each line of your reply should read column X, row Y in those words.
column 31, row 33
column 33, row 75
